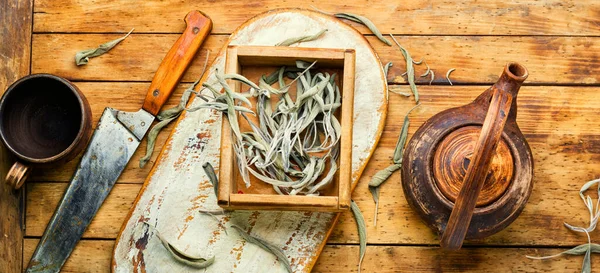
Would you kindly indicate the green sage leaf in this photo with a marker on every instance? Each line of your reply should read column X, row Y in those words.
column 399, row 150
column 448, row 75
column 212, row 176
column 266, row 246
column 363, row 20
column 362, row 231
column 587, row 200
column 406, row 94
column 305, row 38
column 376, row 181
column 83, row 57
column 578, row 250
column 386, row 68
column 375, row 194
column 152, row 135
column 427, row 71
column 410, row 69
column 587, row 262
column 165, row 117
column 382, row 175
column 168, row 115
column 180, row 256
column 432, row 77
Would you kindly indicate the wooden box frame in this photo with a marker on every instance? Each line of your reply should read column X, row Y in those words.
column 344, row 59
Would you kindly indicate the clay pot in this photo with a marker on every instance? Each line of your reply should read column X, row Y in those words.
column 44, row 120
column 468, row 171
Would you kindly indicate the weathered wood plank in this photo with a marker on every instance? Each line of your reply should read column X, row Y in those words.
column 14, row 64
column 134, row 59
column 432, row 259
column 87, row 257
column 92, row 256
column 43, row 198
column 550, row 60
column 467, row 17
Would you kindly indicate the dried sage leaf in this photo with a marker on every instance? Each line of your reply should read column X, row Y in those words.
column 152, row 135
column 383, row 175
column 212, row 212
column 266, row 246
column 363, row 20
column 587, row 200
column 426, row 72
column 376, row 181
column 578, row 250
column 300, row 39
column 588, row 248
column 448, row 75
column 399, row 150
column 82, row 57
column 168, row 115
column 180, row 256
column 587, row 262
column 165, row 117
column 362, row 231
column 432, row 77
column 410, row 69
column 212, row 177
column 406, row 94
column 386, row 70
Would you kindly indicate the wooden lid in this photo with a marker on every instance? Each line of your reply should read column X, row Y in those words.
column 452, row 158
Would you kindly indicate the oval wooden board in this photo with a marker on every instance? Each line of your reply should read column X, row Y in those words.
column 177, row 187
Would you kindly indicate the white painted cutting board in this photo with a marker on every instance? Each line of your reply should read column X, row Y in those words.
column 177, row 187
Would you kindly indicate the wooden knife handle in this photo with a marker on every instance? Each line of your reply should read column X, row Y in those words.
column 170, row 71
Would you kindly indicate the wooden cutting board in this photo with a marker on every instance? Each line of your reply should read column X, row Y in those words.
column 177, row 187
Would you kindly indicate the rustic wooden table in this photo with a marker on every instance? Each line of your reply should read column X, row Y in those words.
column 555, row 39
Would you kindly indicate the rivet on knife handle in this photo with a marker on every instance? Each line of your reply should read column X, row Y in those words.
column 177, row 60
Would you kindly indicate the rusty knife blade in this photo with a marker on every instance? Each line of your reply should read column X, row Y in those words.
column 117, row 136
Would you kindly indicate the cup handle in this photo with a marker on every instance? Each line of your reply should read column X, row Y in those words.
column 491, row 132
column 17, row 175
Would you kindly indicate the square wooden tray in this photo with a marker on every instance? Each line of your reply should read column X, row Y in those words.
column 253, row 61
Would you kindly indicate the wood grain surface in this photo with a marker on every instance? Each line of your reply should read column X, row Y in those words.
column 14, row 64
column 96, row 255
column 553, row 60
column 556, row 40
column 466, row 17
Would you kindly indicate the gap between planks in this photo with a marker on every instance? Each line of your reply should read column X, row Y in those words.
column 466, row 246
column 366, row 34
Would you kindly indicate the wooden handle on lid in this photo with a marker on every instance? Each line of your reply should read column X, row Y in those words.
column 504, row 91
column 177, row 60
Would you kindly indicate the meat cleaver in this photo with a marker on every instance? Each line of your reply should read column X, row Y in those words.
column 117, row 136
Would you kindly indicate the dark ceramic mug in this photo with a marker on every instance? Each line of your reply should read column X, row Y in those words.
column 44, row 120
